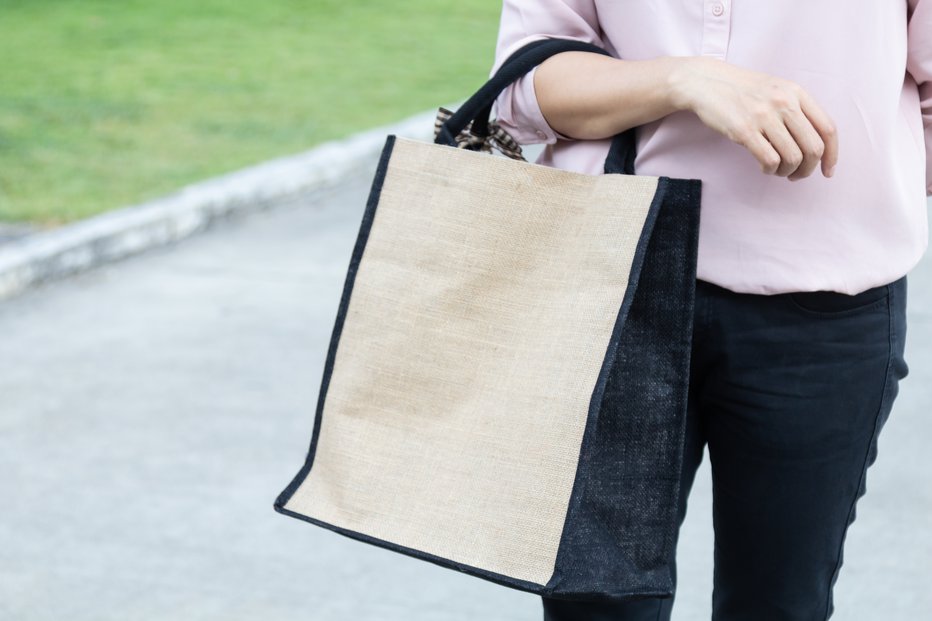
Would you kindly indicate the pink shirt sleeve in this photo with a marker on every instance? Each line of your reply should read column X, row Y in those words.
column 523, row 21
column 919, row 65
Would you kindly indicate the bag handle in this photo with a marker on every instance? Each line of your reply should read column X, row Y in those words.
column 478, row 108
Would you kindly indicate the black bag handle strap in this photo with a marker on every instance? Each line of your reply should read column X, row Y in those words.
column 478, row 108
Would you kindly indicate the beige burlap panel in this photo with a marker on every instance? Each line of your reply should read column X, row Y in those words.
column 477, row 326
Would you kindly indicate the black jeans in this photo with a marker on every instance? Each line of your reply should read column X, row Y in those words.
column 790, row 392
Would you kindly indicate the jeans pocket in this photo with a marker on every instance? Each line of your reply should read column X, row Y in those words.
column 833, row 303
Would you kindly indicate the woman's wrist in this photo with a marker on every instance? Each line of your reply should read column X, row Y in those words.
column 679, row 76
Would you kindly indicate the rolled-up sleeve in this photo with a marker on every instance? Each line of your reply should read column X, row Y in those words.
column 919, row 65
column 522, row 22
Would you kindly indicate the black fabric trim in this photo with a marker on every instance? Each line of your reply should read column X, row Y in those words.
column 497, row 578
column 620, row 526
column 361, row 238
column 595, row 402
column 686, row 198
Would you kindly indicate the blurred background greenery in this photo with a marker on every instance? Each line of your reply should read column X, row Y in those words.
column 105, row 103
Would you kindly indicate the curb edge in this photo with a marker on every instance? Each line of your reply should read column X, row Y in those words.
column 126, row 231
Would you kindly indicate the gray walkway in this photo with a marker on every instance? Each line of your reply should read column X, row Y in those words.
column 151, row 411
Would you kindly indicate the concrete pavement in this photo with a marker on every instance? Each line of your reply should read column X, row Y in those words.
column 150, row 412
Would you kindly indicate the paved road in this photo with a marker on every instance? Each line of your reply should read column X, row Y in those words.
column 150, row 412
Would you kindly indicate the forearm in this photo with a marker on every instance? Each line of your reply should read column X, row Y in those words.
column 591, row 96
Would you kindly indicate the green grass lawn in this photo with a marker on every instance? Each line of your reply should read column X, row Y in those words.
column 105, row 103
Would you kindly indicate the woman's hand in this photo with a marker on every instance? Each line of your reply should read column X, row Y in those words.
column 775, row 119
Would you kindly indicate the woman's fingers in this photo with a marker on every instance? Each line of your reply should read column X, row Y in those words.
column 762, row 150
column 823, row 125
column 791, row 155
column 809, row 143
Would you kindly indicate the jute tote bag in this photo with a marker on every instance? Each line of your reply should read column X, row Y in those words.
column 505, row 388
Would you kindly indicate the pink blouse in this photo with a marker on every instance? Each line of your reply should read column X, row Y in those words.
column 867, row 63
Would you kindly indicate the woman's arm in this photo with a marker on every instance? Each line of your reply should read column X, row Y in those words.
column 522, row 22
column 590, row 96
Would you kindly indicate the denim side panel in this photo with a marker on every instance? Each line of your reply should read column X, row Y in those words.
column 619, row 543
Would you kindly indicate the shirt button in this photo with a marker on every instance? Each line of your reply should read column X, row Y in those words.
column 717, row 9
column 541, row 135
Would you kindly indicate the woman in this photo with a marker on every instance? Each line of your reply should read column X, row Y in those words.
column 801, row 292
